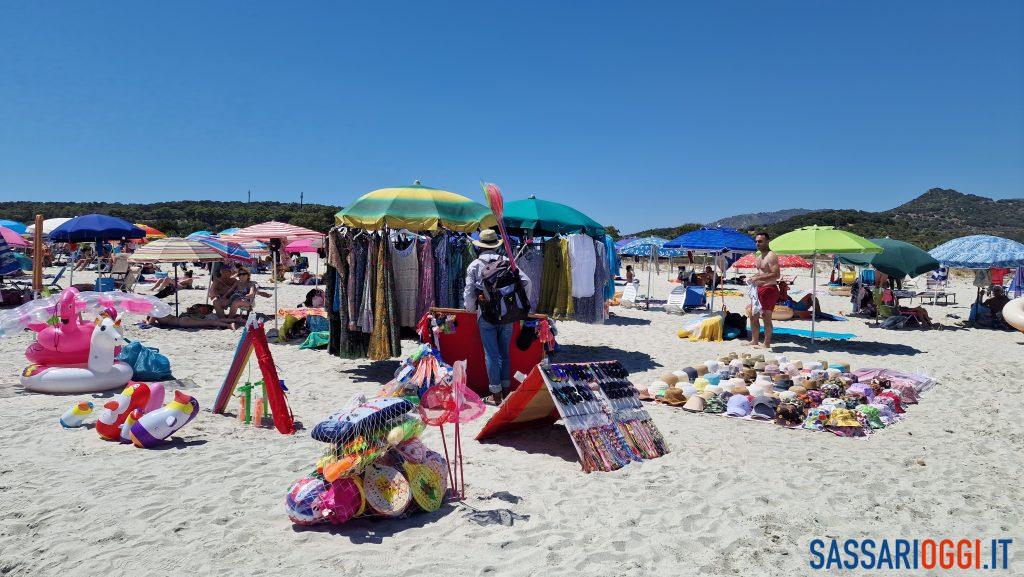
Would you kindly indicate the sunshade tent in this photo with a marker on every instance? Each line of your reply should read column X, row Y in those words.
column 175, row 250
column 48, row 225
column 13, row 238
column 898, row 259
column 715, row 240
column 151, row 233
column 980, row 251
column 815, row 240
column 281, row 232
column 785, row 261
column 546, row 218
column 647, row 246
column 417, row 208
column 14, row 225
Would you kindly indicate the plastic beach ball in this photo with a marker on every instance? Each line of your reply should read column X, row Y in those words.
column 299, row 502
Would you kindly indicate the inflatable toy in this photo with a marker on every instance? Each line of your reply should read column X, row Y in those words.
column 1013, row 313
column 116, row 410
column 341, row 501
column 75, row 416
column 126, row 427
column 377, row 414
column 299, row 501
column 152, row 428
column 101, row 372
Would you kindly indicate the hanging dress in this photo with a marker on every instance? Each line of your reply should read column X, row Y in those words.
column 407, row 282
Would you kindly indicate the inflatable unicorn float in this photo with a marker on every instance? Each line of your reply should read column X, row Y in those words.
column 71, row 355
column 136, row 415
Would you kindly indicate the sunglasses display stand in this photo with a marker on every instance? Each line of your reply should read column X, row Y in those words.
column 603, row 413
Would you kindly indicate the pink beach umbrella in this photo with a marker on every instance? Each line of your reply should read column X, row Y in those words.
column 13, row 239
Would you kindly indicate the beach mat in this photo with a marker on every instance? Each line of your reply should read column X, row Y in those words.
column 807, row 333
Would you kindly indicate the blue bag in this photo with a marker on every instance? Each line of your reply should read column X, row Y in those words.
column 146, row 362
column 317, row 323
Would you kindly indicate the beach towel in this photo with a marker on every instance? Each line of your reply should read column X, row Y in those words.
column 807, row 333
column 755, row 303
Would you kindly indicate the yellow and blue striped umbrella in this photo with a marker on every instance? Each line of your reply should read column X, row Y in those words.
column 417, row 208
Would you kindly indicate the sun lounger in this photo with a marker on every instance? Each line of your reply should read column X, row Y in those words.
column 934, row 290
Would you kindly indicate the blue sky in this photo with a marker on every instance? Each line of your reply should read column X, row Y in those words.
column 640, row 114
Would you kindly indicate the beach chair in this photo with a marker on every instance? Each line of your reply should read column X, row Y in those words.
column 119, row 270
column 127, row 284
column 696, row 298
column 935, row 289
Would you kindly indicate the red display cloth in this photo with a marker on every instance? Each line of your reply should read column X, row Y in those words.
column 464, row 344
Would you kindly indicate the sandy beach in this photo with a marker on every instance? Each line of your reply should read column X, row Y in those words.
column 732, row 498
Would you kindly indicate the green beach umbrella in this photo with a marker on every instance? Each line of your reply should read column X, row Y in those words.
column 815, row 240
column 898, row 259
column 417, row 208
column 546, row 218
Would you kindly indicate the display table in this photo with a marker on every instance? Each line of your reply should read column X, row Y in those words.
column 463, row 343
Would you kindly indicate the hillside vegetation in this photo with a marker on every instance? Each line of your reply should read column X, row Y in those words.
column 180, row 218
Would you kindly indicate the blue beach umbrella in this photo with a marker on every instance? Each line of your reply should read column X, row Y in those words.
column 228, row 231
column 8, row 260
column 95, row 227
column 14, row 225
column 980, row 251
column 716, row 240
column 199, row 234
column 227, row 249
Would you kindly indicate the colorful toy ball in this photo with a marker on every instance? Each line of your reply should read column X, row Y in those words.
column 299, row 501
column 341, row 501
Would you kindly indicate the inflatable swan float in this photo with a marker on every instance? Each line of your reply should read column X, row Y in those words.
column 100, row 373
column 1013, row 313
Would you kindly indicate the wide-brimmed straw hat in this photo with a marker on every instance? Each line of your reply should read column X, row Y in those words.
column 488, row 239
column 673, row 397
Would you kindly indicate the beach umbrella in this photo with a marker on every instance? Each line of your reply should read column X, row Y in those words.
column 175, row 250
column 417, row 208
column 649, row 246
column 200, row 234
column 232, row 251
column 254, row 247
column 14, row 225
column 276, row 233
column 229, row 231
column 785, row 261
column 1017, row 284
column 980, row 251
column 8, row 260
column 815, row 240
column 95, row 228
column 898, row 259
column 48, row 225
column 546, row 218
column 151, row 233
column 303, row 246
column 13, row 238
column 624, row 241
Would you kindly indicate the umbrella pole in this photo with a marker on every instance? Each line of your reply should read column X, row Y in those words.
column 650, row 267
column 814, row 294
column 175, row 266
column 277, row 255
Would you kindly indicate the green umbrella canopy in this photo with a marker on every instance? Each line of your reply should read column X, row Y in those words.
column 822, row 240
column 897, row 259
column 546, row 218
column 418, row 208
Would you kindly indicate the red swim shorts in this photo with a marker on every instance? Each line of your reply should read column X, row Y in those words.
column 768, row 295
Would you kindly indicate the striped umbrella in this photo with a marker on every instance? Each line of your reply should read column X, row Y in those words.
column 255, row 248
column 275, row 230
column 8, row 260
column 14, row 225
column 151, row 233
column 175, row 250
column 228, row 231
column 980, row 251
column 417, row 208
column 230, row 250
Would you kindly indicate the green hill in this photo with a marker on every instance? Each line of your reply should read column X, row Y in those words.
column 180, row 218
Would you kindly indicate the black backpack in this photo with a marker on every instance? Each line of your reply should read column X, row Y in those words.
column 505, row 300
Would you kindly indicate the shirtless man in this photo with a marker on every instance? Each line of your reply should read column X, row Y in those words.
column 766, row 280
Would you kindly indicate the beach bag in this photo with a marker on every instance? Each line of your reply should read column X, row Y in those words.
column 146, row 362
column 506, row 300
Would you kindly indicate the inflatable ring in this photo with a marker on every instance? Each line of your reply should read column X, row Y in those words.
column 1013, row 313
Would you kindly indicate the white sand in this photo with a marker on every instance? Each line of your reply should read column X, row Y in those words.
column 733, row 498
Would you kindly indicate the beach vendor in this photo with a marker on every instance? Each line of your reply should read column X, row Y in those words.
column 495, row 337
column 222, row 288
column 764, row 291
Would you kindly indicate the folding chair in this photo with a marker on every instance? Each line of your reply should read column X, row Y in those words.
column 127, row 284
column 696, row 298
column 119, row 270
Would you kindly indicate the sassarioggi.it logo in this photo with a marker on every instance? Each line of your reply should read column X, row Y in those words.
column 837, row 554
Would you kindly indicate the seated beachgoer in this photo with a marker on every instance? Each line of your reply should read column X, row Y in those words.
column 244, row 294
column 997, row 301
column 165, row 287
column 222, row 288
column 801, row 308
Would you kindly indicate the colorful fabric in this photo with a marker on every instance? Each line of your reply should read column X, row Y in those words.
column 405, row 269
column 426, row 281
